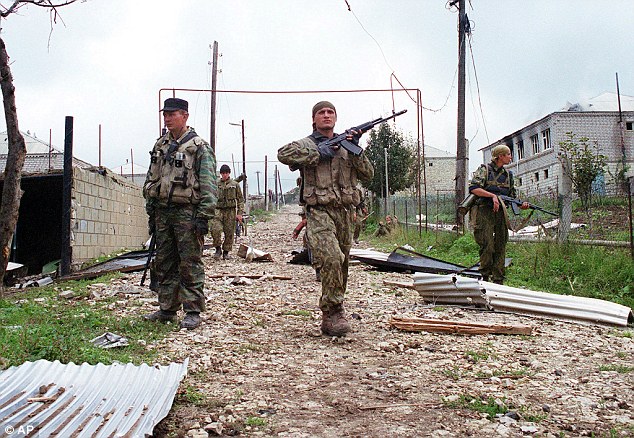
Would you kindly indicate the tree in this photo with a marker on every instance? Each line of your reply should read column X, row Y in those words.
column 11, row 191
column 401, row 160
column 582, row 165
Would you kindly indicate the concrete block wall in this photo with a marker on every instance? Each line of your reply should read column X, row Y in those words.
column 439, row 175
column 108, row 214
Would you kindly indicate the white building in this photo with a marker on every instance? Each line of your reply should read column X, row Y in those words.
column 535, row 147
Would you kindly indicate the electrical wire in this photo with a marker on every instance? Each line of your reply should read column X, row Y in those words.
column 393, row 74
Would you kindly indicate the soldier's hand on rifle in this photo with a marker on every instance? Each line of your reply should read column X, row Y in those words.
column 353, row 136
column 325, row 152
column 201, row 226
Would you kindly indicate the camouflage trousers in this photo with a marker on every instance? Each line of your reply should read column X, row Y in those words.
column 491, row 234
column 224, row 222
column 330, row 236
column 178, row 262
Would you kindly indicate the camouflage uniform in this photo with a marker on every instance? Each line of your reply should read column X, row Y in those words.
column 230, row 204
column 179, row 189
column 330, row 195
column 490, row 228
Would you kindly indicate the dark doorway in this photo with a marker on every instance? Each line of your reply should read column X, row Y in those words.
column 37, row 240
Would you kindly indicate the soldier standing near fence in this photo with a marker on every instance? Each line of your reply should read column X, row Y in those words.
column 489, row 214
column 329, row 180
column 228, row 210
column 180, row 195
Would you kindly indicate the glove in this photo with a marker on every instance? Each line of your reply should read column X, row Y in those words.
column 201, row 226
column 151, row 226
column 325, row 152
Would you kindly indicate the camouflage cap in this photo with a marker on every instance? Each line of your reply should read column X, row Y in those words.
column 321, row 105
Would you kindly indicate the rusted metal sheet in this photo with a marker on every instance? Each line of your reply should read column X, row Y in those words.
column 454, row 289
column 45, row 398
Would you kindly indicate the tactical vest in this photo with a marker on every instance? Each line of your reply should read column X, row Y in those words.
column 227, row 194
column 173, row 174
column 498, row 182
column 331, row 182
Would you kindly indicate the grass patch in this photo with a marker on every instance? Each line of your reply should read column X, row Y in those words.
column 452, row 373
column 297, row 312
column 489, row 406
column 622, row 369
column 36, row 324
column 482, row 354
column 255, row 422
column 191, row 395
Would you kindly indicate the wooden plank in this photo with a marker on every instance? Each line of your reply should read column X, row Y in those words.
column 405, row 284
column 445, row 326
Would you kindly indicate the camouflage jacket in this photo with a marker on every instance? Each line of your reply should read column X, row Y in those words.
column 327, row 182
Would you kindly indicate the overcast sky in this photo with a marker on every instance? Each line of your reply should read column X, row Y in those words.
column 104, row 62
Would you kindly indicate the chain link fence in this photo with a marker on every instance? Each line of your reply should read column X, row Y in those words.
column 606, row 222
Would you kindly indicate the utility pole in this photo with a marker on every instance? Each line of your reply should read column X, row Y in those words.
column 214, row 75
column 387, row 189
column 257, row 174
column 461, row 154
column 266, row 183
column 244, row 159
column 277, row 200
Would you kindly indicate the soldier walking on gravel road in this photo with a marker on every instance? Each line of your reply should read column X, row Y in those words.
column 329, row 191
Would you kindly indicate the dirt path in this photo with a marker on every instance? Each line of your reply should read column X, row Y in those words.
column 263, row 369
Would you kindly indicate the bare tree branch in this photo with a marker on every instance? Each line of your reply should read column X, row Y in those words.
column 17, row 4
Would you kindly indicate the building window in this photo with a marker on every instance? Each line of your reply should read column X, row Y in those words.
column 535, row 143
column 520, row 147
column 431, row 164
column 536, row 176
column 628, row 126
column 546, row 138
column 545, row 173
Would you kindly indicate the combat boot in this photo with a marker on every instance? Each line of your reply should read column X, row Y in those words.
column 161, row 316
column 225, row 255
column 218, row 253
column 191, row 320
column 334, row 322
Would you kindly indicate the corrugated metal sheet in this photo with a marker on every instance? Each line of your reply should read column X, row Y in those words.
column 449, row 289
column 513, row 299
column 454, row 289
column 68, row 400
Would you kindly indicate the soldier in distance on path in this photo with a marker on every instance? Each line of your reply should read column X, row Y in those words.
column 229, row 209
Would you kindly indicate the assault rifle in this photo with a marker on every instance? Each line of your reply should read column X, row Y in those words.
column 151, row 248
column 354, row 149
column 515, row 203
column 468, row 202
